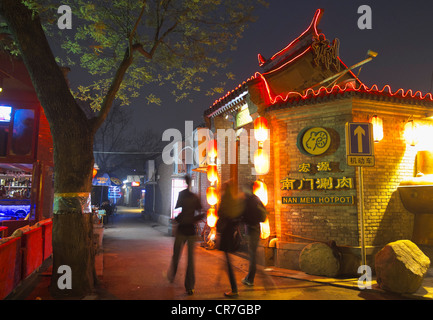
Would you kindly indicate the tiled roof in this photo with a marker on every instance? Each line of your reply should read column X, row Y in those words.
column 228, row 99
column 326, row 94
column 289, row 56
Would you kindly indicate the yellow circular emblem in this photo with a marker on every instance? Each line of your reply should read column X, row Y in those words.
column 316, row 141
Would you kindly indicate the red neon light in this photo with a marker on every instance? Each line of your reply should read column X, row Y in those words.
column 322, row 90
column 262, row 60
column 313, row 26
column 347, row 87
column 288, row 62
column 350, row 71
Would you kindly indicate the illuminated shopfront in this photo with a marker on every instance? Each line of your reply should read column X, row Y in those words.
column 26, row 161
column 307, row 96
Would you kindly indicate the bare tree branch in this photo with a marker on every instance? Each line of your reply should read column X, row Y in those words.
column 149, row 54
column 128, row 58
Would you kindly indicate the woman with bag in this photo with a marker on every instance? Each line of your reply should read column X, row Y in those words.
column 229, row 213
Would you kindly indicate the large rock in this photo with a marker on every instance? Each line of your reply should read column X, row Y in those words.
column 401, row 267
column 319, row 259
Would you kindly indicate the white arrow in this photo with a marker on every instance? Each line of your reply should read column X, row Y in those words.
column 359, row 132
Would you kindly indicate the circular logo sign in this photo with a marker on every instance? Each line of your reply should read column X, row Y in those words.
column 316, row 141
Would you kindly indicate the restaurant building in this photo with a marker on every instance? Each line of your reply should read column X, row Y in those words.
column 342, row 161
column 26, row 147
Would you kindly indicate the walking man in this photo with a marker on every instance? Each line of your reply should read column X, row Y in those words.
column 185, row 233
column 253, row 214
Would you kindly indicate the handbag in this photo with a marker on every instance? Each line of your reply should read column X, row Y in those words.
column 229, row 237
column 262, row 212
column 221, row 224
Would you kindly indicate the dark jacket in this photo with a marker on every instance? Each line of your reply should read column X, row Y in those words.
column 189, row 202
column 229, row 214
column 254, row 211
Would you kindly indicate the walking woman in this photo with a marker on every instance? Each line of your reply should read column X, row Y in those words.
column 229, row 213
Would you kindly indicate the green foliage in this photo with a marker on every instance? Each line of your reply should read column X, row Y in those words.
column 175, row 43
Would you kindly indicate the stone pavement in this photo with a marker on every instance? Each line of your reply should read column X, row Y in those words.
column 136, row 255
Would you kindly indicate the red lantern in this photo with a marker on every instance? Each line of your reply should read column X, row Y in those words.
column 265, row 229
column 261, row 129
column 211, row 217
column 212, row 150
column 212, row 173
column 377, row 128
column 411, row 133
column 211, row 196
column 261, row 190
column 261, row 161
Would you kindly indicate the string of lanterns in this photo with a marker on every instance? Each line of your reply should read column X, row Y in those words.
column 261, row 164
column 261, row 157
column 211, row 192
column 410, row 131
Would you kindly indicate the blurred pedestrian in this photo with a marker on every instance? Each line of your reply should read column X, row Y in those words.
column 108, row 211
column 185, row 233
column 228, row 219
column 254, row 213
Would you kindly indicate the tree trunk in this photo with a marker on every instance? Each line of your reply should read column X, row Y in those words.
column 73, row 137
column 72, row 219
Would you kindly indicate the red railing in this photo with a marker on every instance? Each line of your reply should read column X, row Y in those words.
column 22, row 253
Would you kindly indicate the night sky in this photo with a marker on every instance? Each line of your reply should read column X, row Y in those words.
column 401, row 34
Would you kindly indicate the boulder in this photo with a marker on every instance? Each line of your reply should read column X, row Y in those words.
column 401, row 267
column 319, row 259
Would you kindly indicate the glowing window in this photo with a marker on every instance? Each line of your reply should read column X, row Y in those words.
column 5, row 113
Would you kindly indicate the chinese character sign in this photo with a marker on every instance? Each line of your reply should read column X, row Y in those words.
column 325, row 183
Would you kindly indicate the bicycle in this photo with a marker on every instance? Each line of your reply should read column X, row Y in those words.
column 208, row 235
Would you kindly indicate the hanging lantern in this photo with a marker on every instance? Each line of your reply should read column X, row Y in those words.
column 261, row 129
column 261, row 190
column 265, row 229
column 211, row 196
column 410, row 133
column 377, row 128
column 212, row 173
column 95, row 171
column 211, row 217
column 261, row 161
column 212, row 151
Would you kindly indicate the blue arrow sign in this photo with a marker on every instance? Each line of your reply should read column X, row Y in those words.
column 359, row 139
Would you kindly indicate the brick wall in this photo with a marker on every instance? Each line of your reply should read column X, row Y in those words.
column 303, row 223
column 385, row 217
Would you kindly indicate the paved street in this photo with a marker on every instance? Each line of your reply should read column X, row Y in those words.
column 137, row 254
